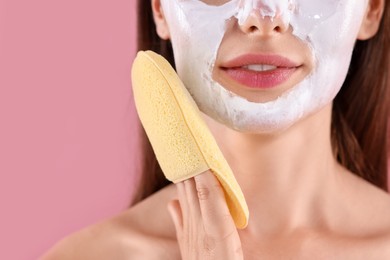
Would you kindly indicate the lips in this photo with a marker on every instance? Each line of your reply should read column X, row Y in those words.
column 260, row 71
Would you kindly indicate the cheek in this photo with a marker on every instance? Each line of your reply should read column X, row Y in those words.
column 333, row 41
column 341, row 29
column 196, row 31
column 332, row 45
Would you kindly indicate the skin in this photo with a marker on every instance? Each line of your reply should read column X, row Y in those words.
column 302, row 203
column 320, row 51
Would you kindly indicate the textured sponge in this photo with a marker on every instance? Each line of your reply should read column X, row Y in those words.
column 181, row 140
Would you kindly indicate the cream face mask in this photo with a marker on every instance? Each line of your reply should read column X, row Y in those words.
column 327, row 27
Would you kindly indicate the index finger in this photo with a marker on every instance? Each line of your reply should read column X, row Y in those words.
column 216, row 216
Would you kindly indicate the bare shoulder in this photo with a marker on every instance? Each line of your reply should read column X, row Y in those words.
column 144, row 231
column 373, row 204
column 378, row 211
column 368, row 216
column 362, row 229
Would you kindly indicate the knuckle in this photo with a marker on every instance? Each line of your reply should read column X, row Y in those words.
column 209, row 245
column 203, row 192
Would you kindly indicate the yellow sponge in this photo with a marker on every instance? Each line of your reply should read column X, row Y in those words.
column 183, row 144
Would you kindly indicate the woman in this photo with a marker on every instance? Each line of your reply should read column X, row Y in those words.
column 312, row 165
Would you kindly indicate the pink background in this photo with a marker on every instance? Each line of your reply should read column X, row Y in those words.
column 66, row 131
column 66, row 112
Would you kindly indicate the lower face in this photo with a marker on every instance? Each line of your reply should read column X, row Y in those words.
column 204, row 35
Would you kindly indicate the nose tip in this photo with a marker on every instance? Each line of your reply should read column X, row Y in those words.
column 265, row 25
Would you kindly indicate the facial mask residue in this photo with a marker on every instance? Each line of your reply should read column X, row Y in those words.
column 328, row 27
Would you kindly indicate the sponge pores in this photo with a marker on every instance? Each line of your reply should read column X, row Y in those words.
column 181, row 140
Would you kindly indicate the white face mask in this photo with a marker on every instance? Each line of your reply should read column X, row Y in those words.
column 328, row 27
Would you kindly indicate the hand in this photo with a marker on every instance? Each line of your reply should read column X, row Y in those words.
column 204, row 226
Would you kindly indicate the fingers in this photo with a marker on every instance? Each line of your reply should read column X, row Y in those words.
column 182, row 199
column 202, row 201
column 204, row 226
column 176, row 214
column 192, row 198
column 217, row 220
column 185, row 212
column 188, row 202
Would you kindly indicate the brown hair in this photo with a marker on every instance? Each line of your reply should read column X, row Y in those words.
column 360, row 110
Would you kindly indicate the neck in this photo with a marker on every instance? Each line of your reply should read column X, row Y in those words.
column 284, row 176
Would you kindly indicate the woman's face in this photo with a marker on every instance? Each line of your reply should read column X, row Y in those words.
column 262, row 65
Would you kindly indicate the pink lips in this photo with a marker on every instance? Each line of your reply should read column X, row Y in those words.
column 281, row 70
